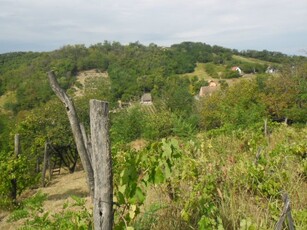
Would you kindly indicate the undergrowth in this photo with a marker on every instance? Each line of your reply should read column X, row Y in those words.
column 72, row 216
column 215, row 181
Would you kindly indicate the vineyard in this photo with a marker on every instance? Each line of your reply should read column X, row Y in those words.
column 232, row 158
column 213, row 181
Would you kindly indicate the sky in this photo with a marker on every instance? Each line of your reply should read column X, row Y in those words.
column 46, row 25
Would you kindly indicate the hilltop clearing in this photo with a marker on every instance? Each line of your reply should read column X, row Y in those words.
column 84, row 78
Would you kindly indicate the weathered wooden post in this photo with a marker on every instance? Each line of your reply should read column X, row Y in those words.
column 45, row 163
column 17, row 145
column 76, row 130
column 286, row 212
column 265, row 127
column 87, row 142
column 102, row 165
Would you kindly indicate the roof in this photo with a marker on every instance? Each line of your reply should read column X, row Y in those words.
column 146, row 97
column 207, row 90
column 235, row 68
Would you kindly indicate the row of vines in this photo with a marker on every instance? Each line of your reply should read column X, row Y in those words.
column 212, row 181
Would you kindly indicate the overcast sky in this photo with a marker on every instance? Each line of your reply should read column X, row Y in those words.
column 45, row 25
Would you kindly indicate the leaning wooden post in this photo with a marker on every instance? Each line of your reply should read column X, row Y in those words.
column 87, row 142
column 76, row 130
column 286, row 212
column 45, row 162
column 102, row 165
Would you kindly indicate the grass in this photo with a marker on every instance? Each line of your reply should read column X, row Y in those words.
column 9, row 97
column 242, row 196
column 58, row 191
column 219, row 169
column 250, row 60
column 199, row 71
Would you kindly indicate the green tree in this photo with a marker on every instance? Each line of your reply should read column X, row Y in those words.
column 127, row 125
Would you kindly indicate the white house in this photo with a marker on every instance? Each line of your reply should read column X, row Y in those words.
column 236, row 68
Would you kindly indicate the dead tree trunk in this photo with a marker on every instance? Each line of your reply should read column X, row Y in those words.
column 102, row 165
column 76, row 130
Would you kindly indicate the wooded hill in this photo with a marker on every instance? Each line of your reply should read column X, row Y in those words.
column 223, row 130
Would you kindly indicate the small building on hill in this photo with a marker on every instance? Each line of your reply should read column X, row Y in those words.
column 236, row 68
column 270, row 70
column 146, row 99
column 213, row 84
column 208, row 90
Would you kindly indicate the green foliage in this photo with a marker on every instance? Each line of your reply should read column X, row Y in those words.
column 253, row 68
column 177, row 97
column 237, row 106
column 184, row 127
column 154, row 165
column 6, row 124
column 158, row 125
column 284, row 95
column 211, row 70
column 300, row 217
column 204, row 181
column 230, row 74
column 35, row 217
column 135, row 123
column 263, row 177
column 28, row 207
column 216, row 181
column 265, row 55
column 19, row 169
column 127, row 125
column 149, row 218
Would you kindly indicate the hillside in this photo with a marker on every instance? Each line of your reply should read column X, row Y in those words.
column 220, row 160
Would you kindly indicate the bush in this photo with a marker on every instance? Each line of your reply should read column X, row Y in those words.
column 127, row 125
column 211, row 70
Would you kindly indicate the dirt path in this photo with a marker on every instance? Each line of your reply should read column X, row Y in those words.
column 59, row 190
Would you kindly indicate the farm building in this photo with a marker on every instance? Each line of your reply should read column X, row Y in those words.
column 146, row 99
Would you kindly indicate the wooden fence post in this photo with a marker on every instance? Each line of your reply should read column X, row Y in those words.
column 265, row 127
column 286, row 212
column 87, row 142
column 45, row 163
column 102, row 165
column 17, row 145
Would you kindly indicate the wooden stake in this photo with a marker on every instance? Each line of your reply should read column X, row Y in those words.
column 102, row 165
column 45, row 162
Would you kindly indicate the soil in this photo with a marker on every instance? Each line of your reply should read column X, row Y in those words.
column 59, row 191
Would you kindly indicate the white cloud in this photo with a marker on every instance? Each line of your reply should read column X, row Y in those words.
column 236, row 24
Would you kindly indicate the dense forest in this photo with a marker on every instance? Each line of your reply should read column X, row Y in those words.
column 222, row 161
